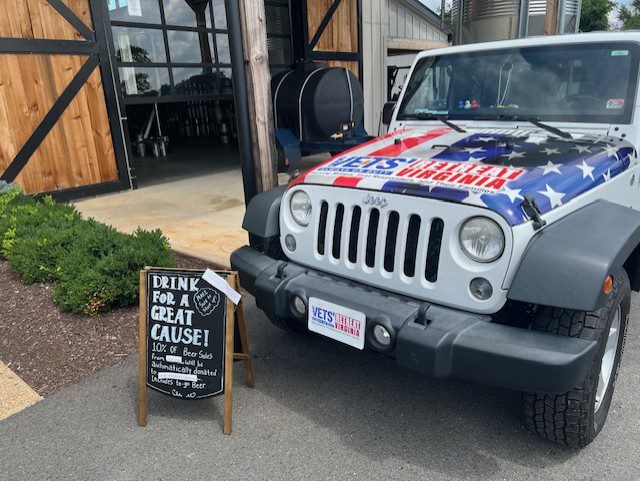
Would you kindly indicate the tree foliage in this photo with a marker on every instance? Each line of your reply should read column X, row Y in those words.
column 595, row 15
column 630, row 15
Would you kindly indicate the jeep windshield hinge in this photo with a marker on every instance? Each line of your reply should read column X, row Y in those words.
column 532, row 211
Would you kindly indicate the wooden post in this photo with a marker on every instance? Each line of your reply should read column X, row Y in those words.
column 142, row 369
column 228, row 362
column 551, row 22
column 245, row 355
column 256, row 54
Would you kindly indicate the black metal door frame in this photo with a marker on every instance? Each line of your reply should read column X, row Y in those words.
column 238, row 73
column 95, row 47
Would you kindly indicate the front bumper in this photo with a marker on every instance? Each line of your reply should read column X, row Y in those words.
column 434, row 340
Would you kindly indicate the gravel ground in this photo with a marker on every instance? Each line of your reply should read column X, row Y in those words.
column 50, row 349
column 320, row 410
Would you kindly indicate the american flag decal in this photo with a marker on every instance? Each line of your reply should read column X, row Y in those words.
column 491, row 169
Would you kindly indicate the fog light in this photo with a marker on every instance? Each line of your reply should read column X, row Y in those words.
column 381, row 335
column 299, row 305
column 481, row 288
column 290, row 242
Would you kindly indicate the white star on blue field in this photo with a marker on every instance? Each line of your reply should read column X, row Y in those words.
column 554, row 171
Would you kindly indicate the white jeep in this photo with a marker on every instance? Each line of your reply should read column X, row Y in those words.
column 492, row 235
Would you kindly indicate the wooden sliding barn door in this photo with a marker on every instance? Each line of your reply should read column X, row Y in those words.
column 334, row 33
column 59, row 122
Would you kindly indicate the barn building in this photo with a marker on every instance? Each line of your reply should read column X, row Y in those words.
column 105, row 95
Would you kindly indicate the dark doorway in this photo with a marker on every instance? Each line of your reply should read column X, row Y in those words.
column 173, row 141
column 174, row 73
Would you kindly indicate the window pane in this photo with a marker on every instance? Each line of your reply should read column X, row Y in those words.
column 224, row 81
column 147, row 11
column 219, row 14
column 222, row 42
column 147, row 81
column 139, row 45
column 187, row 13
column 195, row 81
column 277, row 19
column 189, row 47
column 279, row 51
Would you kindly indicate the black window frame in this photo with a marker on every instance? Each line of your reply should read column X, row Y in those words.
column 283, row 36
column 163, row 27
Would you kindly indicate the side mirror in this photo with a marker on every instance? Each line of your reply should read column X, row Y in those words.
column 387, row 112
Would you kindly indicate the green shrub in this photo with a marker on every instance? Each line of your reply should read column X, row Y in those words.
column 39, row 235
column 98, row 275
column 10, row 200
column 92, row 267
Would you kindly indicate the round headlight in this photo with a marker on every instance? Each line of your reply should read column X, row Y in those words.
column 482, row 239
column 300, row 205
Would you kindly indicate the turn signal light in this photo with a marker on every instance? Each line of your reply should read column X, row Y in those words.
column 608, row 284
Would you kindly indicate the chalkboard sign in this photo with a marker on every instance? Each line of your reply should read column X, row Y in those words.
column 187, row 323
column 185, row 335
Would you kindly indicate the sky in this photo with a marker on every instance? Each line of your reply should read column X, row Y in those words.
column 613, row 17
column 434, row 4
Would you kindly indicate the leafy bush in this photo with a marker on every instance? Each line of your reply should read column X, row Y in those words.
column 102, row 271
column 38, row 235
column 92, row 267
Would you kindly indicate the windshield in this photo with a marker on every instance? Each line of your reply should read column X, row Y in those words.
column 573, row 83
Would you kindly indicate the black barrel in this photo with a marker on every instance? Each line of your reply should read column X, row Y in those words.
column 315, row 101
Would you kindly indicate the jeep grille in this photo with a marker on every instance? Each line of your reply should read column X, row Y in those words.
column 382, row 239
column 409, row 246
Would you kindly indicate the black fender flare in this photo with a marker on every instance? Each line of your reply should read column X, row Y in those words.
column 262, row 216
column 566, row 263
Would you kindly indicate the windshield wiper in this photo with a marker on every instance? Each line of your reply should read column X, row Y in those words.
column 442, row 118
column 536, row 121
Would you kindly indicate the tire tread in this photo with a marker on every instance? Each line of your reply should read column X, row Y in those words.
column 564, row 418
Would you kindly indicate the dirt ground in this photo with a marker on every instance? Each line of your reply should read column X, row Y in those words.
column 50, row 349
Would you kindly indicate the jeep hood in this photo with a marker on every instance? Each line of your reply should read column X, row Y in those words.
column 493, row 169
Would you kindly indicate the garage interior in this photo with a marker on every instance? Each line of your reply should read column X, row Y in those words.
column 174, row 73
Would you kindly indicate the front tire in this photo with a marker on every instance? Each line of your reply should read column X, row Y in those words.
column 576, row 417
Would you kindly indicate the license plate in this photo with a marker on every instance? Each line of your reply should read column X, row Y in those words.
column 337, row 322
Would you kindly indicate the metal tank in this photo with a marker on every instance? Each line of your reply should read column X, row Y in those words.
column 485, row 20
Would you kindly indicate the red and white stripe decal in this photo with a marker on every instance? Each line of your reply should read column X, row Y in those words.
column 300, row 179
column 346, row 181
column 393, row 150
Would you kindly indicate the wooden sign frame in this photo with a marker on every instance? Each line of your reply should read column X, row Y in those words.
column 235, row 314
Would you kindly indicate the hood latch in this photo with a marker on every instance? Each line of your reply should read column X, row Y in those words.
column 532, row 211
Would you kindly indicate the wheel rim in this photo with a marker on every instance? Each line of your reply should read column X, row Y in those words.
column 608, row 359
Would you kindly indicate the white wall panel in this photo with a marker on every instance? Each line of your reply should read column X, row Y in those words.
column 381, row 20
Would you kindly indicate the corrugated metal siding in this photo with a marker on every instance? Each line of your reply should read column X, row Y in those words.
column 539, row 7
column 481, row 9
column 375, row 31
column 382, row 19
column 499, row 19
column 404, row 23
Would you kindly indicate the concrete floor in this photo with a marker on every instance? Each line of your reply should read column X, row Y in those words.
column 186, row 159
column 320, row 410
column 194, row 195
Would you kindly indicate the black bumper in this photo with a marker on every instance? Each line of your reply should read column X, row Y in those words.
column 433, row 340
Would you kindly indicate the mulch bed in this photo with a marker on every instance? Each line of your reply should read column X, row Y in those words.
column 50, row 349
